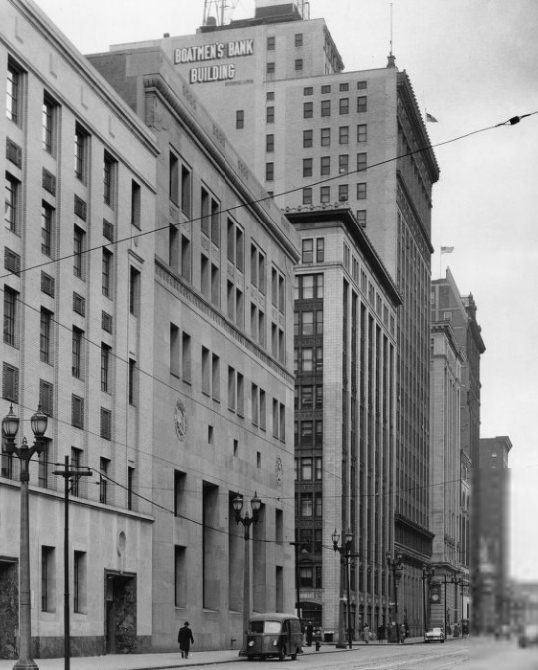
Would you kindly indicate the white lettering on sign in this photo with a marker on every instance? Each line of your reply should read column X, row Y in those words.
column 214, row 51
column 201, row 75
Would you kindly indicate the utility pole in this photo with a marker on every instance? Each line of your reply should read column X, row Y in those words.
column 67, row 473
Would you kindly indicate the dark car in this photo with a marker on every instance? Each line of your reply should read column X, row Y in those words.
column 434, row 635
column 529, row 635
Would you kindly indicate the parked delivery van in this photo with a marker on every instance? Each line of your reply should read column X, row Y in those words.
column 274, row 634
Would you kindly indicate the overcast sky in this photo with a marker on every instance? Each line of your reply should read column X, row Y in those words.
column 473, row 64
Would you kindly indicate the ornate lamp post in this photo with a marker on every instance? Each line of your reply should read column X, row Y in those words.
column 345, row 552
column 10, row 428
column 395, row 564
column 247, row 521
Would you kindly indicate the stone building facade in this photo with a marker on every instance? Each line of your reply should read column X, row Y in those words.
column 223, row 388
column 79, row 169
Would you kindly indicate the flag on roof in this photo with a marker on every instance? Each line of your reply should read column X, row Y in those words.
column 447, row 250
column 431, row 118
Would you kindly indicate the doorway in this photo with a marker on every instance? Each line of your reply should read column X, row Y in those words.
column 120, row 613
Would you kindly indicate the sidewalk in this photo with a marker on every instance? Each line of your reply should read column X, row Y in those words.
column 171, row 659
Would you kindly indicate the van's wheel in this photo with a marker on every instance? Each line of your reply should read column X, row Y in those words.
column 282, row 653
column 294, row 656
column 250, row 657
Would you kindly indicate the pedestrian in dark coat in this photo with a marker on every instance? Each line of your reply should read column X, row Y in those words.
column 185, row 639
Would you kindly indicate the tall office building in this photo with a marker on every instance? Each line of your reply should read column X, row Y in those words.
column 79, row 174
column 345, row 421
column 318, row 136
column 492, row 484
column 448, row 306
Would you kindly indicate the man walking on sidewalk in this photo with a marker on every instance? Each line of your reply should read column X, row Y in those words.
column 185, row 639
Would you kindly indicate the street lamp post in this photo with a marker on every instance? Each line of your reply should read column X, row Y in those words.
column 345, row 553
column 247, row 521
column 10, row 427
column 395, row 563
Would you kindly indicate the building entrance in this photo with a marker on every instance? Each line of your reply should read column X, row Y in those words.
column 120, row 613
column 9, row 607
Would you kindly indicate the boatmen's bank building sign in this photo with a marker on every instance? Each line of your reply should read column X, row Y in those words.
column 202, row 74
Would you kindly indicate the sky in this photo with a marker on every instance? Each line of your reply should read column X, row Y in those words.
column 472, row 64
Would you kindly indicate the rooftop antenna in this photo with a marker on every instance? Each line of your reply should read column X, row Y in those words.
column 215, row 12
column 391, row 59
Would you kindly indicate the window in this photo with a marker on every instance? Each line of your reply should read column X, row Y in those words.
column 12, row 261
column 11, row 200
column 46, row 397
column 343, row 135
column 45, row 335
column 174, row 350
column 13, row 92
column 307, row 167
column 362, row 132
column 325, row 137
column 362, row 161
column 48, row 572
column 76, row 462
column 361, row 217
column 325, row 165
column 135, row 204
column 307, row 251
column 270, row 68
column 269, row 171
column 306, row 463
column 362, row 103
column 362, row 84
column 103, row 479
column 186, row 186
column 173, row 178
column 47, row 284
column 109, row 169
column 10, row 382
column 270, row 95
column 132, row 382
column 186, row 356
column 130, row 487
column 106, row 273
column 240, row 119
column 77, row 417
column 180, row 576
column 76, row 352
column 105, row 367
column 325, row 108
column 81, row 153
column 278, row 290
column 320, row 254
column 134, row 291
column 271, row 43
column 298, row 39
column 307, row 196
column 43, row 464
column 343, row 105
column 48, row 123
column 343, row 164
column 269, row 143
column 298, row 64
column 308, row 110
column 10, row 316
column 106, row 322
column 308, row 136
column 79, row 237
column 205, row 371
column 325, row 194
column 343, row 192
column 361, row 191
column 47, row 227
column 79, row 581
column 215, row 377
column 106, row 424
column 270, row 115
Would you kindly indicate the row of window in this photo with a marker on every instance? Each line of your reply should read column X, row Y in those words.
column 327, row 88
column 308, row 468
column 271, row 41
